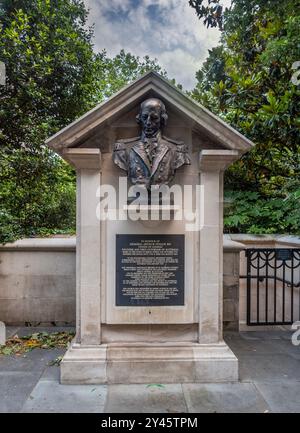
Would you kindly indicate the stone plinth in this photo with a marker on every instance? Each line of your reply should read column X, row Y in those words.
column 149, row 363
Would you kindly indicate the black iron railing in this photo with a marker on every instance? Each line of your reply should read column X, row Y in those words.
column 273, row 286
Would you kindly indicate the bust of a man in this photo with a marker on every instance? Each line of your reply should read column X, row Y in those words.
column 150, row 159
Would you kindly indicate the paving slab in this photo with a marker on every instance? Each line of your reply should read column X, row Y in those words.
column 241, row 346
column 52, row 397
column 288, row 348
column 28, row 330
column 250, row 335
column 15, row 388
column 287, row 335
column 262, row 335
column 35, row 360
column 268, row 368
column 152, row 398
column 224, row 398
column 51, row 372
column 282, row 397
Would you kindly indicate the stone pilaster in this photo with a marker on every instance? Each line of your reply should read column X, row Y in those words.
column 88, row 270
column 212, row 166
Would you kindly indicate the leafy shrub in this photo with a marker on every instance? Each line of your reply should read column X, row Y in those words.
column 250, row 212
column 37, row 195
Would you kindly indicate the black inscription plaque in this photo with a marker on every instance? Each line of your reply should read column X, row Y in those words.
column 149, row 270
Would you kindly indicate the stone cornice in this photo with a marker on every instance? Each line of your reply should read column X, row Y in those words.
column 217, row 160
column 83, row 158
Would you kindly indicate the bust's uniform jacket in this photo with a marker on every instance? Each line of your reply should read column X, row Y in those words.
column 130, row 155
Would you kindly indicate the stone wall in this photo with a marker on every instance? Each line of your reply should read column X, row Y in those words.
column 37, row 282
column 231, row 280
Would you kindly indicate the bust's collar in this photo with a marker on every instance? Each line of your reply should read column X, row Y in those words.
column 156, row 138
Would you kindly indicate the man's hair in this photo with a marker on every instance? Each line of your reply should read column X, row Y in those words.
column 163, row 111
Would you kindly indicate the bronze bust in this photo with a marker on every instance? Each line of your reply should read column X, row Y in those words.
column 150, row 159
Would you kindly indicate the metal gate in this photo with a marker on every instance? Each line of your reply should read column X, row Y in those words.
column 273, row 286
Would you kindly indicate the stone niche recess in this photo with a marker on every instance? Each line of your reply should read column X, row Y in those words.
column 180, row 341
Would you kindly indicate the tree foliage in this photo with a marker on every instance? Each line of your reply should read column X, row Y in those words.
column 114, row 73
column 211, row 11
column 53, row 77
column 247, row 81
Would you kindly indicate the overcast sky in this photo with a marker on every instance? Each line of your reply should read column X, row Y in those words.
column 168, row 30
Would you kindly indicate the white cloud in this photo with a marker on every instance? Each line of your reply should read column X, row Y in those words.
column 176, row 38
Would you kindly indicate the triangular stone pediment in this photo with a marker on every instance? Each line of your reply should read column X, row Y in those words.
column 99, row 127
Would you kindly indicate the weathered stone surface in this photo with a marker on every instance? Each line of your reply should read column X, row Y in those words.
column 149, row 363
column 149, row 398
column 282, row 397
column 2, row 333
column 263, row 368
column 15, row 387
column 231, row 283
column 51, row 397
column 37, row 281
column 224, row 398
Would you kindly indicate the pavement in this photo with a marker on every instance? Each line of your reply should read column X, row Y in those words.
column 269, row 382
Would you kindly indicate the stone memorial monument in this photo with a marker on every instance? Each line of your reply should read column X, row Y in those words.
column 150, row 164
